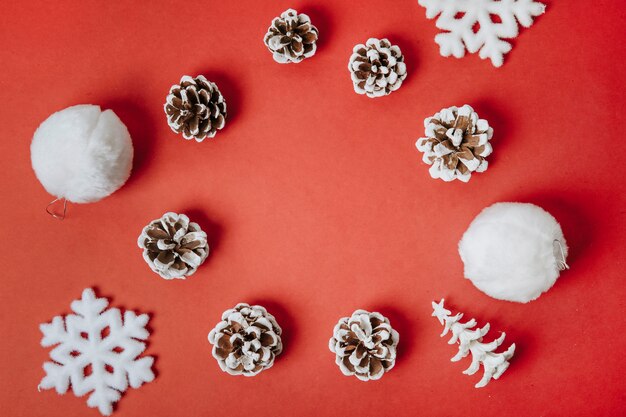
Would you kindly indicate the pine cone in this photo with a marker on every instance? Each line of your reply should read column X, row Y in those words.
column 291, row 37
column 173, row 246
column 246, row 341
column 195, row 108
column 456, row 143
column 377, row 68
column 365, row 345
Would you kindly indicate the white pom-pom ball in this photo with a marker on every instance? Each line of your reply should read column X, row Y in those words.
column 513, row 251
column 82, row 154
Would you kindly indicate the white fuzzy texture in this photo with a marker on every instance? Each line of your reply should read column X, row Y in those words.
column 80, row 344
column 82, row 153
column 512, row 251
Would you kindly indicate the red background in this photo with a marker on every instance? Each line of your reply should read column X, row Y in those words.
column 317, row 203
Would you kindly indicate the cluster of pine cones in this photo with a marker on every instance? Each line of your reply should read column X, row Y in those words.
column 456, row 142
column 247, row 340
column 196, row 108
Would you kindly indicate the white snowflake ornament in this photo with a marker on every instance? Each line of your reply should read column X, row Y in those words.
column 469, row 24
column 90, row 359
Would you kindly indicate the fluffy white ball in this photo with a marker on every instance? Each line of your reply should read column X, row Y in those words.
column 510, row 251
column 82, row 153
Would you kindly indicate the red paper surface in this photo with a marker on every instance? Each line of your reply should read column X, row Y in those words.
column 317, row 203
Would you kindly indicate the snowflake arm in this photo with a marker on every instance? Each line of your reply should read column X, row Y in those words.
column 82, row 345
column 468, row 25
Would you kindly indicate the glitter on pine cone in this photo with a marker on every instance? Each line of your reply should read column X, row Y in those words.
column 456, row 143
column 246, row 341
column 377, row 68
column 291, row 37
column 195, row 108
column 365, row 345
column 173, row 246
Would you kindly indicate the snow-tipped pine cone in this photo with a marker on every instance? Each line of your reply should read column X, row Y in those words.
column 195, row 108
column 456, row 143
column 365, row 345
column 377, row 68
column 246, row 341
column 173, row 246
column 291, row 37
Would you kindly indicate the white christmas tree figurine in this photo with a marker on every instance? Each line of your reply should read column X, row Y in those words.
column 91, row 360
column 470, row 341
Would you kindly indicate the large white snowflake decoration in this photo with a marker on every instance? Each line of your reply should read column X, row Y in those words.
column 92, row 360
column 480, row 25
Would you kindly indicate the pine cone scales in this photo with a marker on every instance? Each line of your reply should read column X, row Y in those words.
column 365, row 345
column 377, row 68
column 195, row 108
column 246, row 341
column 173, row 246
column 456, row 143
column 291, row 37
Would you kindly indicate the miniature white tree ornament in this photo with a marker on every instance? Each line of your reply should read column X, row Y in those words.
column 470, row 341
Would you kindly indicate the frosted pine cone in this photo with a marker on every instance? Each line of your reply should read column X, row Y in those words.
column 377, row 68
column 365, row 345
column 456, row 143
column 246, row 341
column 291, row 37
column 173, row 246
column 195, row 108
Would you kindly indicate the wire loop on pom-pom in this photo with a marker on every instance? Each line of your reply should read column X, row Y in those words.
column 561, row 263
column 52, row 213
